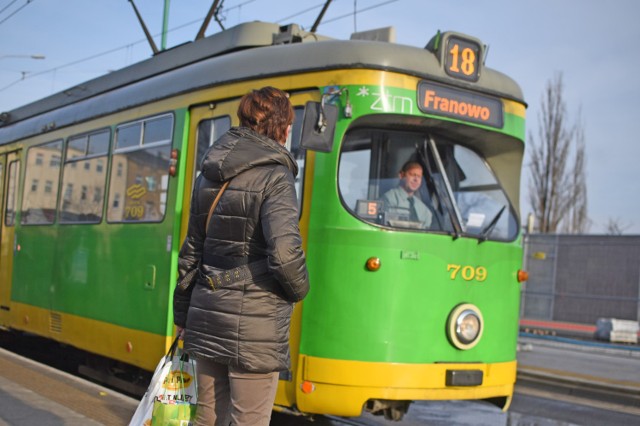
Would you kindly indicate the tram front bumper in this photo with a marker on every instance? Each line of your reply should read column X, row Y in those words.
column 343, row 387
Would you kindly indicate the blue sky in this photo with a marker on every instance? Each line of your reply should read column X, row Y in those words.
column 594, row 44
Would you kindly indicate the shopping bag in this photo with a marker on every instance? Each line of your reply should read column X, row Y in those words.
column 173, row 413
column 176, row 406
column 163, row 385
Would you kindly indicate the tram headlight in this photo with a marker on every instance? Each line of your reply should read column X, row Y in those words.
column 465, row 326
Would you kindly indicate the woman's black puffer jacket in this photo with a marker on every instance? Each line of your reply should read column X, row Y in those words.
column 244, row 322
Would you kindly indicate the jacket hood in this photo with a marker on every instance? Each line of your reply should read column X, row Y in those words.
column 241, row 149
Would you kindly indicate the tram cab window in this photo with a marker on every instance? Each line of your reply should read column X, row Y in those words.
column 141, row 154
column 209, row 131
column 424, row 183
column 43, row 166
column 82, row 200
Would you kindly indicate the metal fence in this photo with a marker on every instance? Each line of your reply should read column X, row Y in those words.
column 580, row 278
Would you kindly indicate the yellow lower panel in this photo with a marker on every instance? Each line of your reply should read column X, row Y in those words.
column 133, row 347
column 342, row 387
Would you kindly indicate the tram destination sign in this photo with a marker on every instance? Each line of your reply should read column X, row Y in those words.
column 438, row 99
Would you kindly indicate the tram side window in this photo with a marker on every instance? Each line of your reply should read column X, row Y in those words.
column 209, row 131
column 141, row 154
column 12, row 190
column 83, row 178
column 42, row 175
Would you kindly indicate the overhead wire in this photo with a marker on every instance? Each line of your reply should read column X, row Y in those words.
column 97, row 55
column 15, row 11
column 129, row 45
column 302, row 12
column 366, row 9
column 7, row 6
column 337, row 18
column 88, row 58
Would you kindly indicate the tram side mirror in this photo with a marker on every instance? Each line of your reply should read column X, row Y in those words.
column 319, row 126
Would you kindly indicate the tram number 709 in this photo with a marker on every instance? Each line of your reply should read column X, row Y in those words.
column 468, row 273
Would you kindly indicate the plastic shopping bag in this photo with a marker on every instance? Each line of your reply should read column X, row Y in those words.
column 177, row 404
column 173, row 383
column 173, row 413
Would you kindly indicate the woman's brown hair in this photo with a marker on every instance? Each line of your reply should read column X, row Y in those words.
column 266, row 111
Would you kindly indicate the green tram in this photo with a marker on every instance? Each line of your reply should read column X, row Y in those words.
column 96, row 181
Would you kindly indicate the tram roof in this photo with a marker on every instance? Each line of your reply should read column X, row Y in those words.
column 248, row 51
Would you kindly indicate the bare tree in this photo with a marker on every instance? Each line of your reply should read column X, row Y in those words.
column 557, row 188
column 616, row 227
column 577, row 221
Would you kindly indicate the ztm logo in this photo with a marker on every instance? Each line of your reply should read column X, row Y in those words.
column 136, row 191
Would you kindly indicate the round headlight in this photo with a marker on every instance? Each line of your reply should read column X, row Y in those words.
column 465, row 326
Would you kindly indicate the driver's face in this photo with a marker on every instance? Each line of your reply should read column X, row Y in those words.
column 412, row 179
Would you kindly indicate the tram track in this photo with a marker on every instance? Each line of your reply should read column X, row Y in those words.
column 344, row 421
column 285, row 419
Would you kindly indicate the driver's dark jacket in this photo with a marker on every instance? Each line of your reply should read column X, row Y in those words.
column 244, row 323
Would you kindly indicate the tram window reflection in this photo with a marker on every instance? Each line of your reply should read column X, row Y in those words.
column 138, row 188
column 12, row 189
column 39, row 200
column 98, row 143
column 82, row 200
column 128, row 136
column 157, row 130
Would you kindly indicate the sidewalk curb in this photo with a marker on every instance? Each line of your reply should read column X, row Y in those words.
column 581, row 345
column 593, row 383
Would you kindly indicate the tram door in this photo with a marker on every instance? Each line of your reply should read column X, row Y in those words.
column 9, row 176
column 211, row 121
column 208, row 123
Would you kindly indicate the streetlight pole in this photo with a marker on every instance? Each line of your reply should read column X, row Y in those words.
column 23, row 56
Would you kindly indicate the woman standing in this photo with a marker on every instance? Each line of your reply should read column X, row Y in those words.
column 235, row 319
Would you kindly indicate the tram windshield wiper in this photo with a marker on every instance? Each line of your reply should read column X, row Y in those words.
column 487, row 230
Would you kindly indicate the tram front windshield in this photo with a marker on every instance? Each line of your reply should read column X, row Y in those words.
column 445, row 187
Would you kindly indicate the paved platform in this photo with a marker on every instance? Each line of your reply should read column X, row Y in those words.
column 34, row 394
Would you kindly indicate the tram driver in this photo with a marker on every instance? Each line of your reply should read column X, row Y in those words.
column 403, row 206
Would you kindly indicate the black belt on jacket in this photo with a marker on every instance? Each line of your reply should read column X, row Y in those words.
column 230, row 276
column 229, row 262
